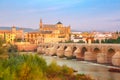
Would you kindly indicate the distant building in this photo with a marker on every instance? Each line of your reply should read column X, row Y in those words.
column 102, row 36
column 76, row 36
column 11, row 35
column 49, row 33
column 115, row 35
column 82, row 36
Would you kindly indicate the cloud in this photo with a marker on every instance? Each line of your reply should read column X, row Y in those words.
column 115, row 20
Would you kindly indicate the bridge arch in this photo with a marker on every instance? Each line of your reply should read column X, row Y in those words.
column 82, row 53
column 110, row 53
column 60, row 51
column 58, row 47
column 65, row 47
column 47, row 46
column 96, row 50
column 53, row 50
column 74, row 48
column 77, row 52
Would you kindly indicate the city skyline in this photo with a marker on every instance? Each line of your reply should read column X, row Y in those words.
column 82, row 15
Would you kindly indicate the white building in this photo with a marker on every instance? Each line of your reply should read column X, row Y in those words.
column 76, row 36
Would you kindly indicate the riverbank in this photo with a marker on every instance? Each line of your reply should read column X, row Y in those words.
column 87, row 62
column 96, row 71
column 34, row 67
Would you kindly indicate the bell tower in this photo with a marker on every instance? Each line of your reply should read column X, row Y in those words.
column 41, row 24
column 14, row 29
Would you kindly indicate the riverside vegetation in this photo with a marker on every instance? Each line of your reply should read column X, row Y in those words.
column 29, row 67
column 32, row 67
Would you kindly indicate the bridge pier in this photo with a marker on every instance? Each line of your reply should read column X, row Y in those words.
column 60, row 51
column 39, row 50
column 77, row 52
column 89, row 56
column 47, row 50
column 116, row 59
column 43, row 50
column 102, row 58
column 53, row 50
column 68, row 52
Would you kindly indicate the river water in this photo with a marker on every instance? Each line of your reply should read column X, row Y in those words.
column 96, row 71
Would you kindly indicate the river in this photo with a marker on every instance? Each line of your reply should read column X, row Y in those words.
column 96, row 71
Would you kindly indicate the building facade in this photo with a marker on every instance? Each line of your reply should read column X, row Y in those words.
column 11, row 35
column 49, row 33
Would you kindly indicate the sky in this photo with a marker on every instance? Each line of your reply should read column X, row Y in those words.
column 82, row 15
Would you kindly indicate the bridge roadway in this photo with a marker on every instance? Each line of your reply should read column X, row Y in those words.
column 101, row 53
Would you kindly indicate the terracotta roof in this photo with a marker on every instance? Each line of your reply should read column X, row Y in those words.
column 33, row 32
column 5, row 31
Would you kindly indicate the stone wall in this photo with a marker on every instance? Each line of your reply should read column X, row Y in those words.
column 26, row 46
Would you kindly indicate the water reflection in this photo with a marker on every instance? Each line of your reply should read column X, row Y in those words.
column 98, row 72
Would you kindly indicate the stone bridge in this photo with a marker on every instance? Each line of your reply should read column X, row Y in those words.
column 100, row 53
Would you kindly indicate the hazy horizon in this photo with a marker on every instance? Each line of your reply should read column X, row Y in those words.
column 82, row 15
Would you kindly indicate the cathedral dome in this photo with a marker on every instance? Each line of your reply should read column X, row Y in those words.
column 59, row 22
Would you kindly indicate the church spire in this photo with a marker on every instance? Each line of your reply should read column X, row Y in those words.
column 41, row 24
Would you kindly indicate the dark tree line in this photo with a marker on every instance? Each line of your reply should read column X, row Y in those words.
column 109, row 41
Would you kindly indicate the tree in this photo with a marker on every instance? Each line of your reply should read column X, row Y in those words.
column 70, row 41
column 102, row 41
column 3, row 49
column 111, row 40
column 12, row 48
column 1, row 42
column 117, row 32
column 80, row 41
column 96, row 41
column 118, row 40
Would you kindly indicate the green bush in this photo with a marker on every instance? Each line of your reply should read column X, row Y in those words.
column 3, row 52
column 29, row 67
column 12, row 48
column 23, row 67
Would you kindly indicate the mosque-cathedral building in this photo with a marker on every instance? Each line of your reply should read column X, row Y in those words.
column 49, row 33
